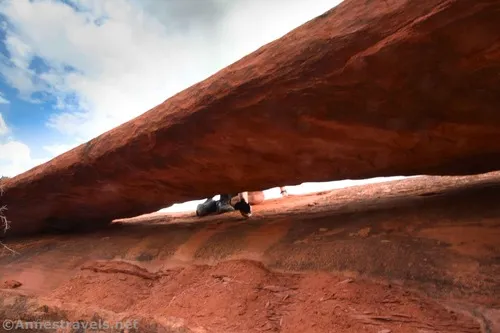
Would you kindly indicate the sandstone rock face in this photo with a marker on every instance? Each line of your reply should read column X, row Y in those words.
column 370, row 88
column 422, row 257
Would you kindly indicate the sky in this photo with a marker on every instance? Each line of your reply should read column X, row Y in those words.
column 73, row 69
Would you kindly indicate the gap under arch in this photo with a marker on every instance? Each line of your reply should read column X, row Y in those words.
column 304, row 188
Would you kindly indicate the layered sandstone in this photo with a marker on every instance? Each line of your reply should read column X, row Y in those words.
column 370, row 88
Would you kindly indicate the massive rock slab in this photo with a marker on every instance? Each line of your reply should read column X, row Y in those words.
column 370, row 88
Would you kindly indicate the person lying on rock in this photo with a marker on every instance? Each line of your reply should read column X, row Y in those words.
column 223, row 205
column 226, row 203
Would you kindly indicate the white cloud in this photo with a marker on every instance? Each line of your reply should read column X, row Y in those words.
column 58, row 149
column 139, row 54
column 15, row 158
column 4, row 130
column 14, row 151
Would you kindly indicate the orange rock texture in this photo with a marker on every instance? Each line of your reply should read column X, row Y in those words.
column 370, row 88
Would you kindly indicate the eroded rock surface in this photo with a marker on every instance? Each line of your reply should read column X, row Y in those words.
column 415, row 255
column 370, row 88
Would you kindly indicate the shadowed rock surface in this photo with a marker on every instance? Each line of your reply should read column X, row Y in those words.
column 370, row 88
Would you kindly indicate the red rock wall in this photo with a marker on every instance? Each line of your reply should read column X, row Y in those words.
column 370, row 88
